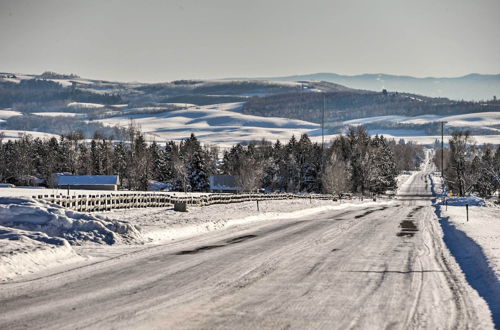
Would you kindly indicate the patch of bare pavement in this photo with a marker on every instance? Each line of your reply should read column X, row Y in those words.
column 380, row 267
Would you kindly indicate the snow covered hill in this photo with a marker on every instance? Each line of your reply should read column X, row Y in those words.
column 174, row 110
column 477, row 122
column 484, row 119
column 217, row 123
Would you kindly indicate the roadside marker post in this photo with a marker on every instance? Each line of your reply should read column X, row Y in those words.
column 258, row 205
column 467, row 211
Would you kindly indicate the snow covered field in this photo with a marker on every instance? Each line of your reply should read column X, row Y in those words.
column 15, row 134
column 470, row 119
column 57, row 114
column 7, row 113
column 217, row 123
column 224, row 124
column 486, row 120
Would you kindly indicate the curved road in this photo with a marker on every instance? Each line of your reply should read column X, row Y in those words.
column 378, row 267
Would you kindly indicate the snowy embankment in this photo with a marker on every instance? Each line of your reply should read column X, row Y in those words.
column 34, row 234
column 475, row 244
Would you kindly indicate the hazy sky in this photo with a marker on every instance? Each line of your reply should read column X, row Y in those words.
column 146, row 40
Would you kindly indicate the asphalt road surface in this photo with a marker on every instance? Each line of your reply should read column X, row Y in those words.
column 379, row 267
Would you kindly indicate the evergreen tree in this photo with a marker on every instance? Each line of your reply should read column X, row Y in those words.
column 120, row 164
column 197, row 173
column 382, row 170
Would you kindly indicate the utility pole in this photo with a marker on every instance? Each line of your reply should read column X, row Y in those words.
column 442, row 150
column 323, row 122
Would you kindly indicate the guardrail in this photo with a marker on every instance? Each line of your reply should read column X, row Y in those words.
column 107, row 202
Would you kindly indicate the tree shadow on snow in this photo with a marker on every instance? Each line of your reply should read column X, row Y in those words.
column 474, row 264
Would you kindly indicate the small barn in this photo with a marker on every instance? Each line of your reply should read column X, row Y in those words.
column 89, row 182
column 224, row 184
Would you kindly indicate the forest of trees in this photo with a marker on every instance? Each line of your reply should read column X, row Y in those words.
column 347, row 105
column 355, row 162
column 469, row 168
column 39, row 91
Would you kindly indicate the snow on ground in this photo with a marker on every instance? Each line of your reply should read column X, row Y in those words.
column 430, row 139
column 225, row 124
column 403, row 180
column 486, row 120
column 483, row 226
column 62, row 82
column 57, row 114
column 35, row 235
column 55, row 221
column 161, row 224
column 475, row 244
column 23, row 252
column 216, row 123
column 469, row 119
column 15, row 134
column 84, row 105
column 7, row 113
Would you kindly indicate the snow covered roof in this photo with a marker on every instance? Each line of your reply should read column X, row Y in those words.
column 81, row 180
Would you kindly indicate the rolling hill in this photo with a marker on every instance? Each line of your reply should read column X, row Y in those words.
column 225, row 112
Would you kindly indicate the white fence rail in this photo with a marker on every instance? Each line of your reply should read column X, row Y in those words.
column 107, row 202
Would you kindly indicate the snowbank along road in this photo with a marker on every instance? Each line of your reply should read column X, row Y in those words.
column 380, row 267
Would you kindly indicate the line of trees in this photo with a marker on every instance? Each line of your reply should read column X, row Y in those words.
column 354, row 104
column 469, row 168
column 40, row 92
column 355, row 162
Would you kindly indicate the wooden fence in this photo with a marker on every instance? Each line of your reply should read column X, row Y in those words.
column 107, row 202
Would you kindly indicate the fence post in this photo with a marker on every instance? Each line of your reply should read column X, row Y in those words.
column 258, row 206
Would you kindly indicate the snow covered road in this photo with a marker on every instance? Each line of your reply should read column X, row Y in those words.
column 377, row 267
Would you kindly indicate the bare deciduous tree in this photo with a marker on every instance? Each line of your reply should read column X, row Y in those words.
column 249, row 175
column 335, row 178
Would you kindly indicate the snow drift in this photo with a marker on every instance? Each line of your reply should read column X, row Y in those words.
column 74, row 227
column 23, row 252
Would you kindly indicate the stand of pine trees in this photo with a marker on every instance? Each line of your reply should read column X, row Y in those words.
column 355, row 162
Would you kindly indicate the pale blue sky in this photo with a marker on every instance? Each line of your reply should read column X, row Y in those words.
column 164, row 40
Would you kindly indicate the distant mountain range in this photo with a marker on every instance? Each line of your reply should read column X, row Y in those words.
column 472, row 87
